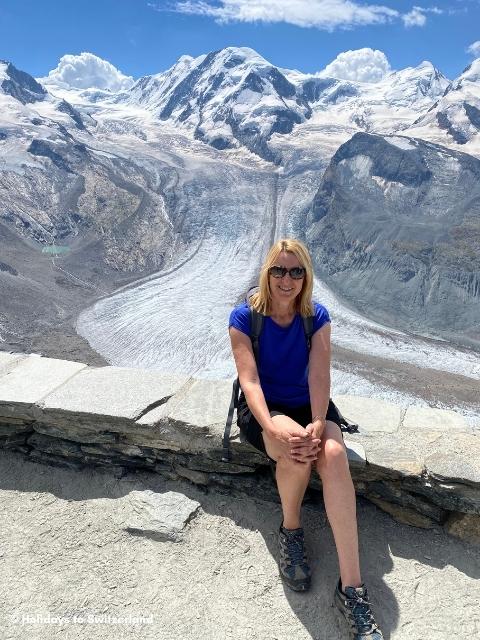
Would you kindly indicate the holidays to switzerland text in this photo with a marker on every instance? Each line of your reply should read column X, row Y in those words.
column 82, row 618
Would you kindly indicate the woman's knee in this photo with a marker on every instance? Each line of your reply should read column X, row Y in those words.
column 333, row 458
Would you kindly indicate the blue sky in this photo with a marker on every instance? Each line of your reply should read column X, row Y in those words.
column 147, row 36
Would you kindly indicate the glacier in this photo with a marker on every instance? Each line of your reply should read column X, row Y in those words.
column 230, row 151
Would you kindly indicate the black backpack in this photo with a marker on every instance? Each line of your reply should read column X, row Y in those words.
column 256, row 323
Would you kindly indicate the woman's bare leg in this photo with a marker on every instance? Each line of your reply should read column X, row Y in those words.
column 340, row 503
column 292, row 476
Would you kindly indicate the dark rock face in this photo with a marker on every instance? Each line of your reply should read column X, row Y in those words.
column 344, row 90
column 327, row 90
column 313, row 89
column 285, row 119
column 220, row 143
column 389, row 162
column 395, row 229
column 46, row 149
column 444, row 123
column 22, row 86
column 473, row 114
column 250, row 137
column 67, row 108
column 253, row 82
column 282, row 86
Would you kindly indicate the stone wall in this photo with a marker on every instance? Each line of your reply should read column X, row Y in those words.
column 420, row 465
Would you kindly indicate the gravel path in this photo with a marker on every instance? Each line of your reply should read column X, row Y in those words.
column 64, row 553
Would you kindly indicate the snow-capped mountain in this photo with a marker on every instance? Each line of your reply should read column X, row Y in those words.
column 24, row 100
column 228, row 97
column 20, row 85
column 55, row 184
column 455, row 117
column 234, row 97
column 384, row 107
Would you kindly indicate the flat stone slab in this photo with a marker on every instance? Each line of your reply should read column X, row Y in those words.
column 194, row 419
column 110, row 393
column 32, row 379
column 202, row 403
column 425, row 418
column 160, row 516
column 451, row 467
column 392, row 455
column 372, row 416
column 405, row 515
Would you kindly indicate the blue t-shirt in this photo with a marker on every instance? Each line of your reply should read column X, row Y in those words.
column 283, row 354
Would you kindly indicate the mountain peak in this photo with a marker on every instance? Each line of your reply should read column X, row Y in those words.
column 472, row 72
column 19, row 84
column 425, row 64
column 246, row 52
column 236, row 56
column 425, row 68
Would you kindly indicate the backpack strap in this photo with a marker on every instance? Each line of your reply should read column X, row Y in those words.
column 308, row 329
column 256, row 326
column 226, row 453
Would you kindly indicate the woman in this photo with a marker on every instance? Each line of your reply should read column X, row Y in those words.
column 285, row 411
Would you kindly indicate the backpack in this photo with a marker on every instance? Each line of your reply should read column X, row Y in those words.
column 256, row 323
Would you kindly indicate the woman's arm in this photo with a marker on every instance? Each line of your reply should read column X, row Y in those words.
column 250, row 383
column 319, row 376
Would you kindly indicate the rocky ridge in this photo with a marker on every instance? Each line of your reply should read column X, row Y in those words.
column 395, row 224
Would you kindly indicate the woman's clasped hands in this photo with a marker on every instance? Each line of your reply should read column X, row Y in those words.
column 306, row 448
column 301, row 444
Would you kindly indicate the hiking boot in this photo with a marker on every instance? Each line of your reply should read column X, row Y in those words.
column 354, row 607
column 293, row 563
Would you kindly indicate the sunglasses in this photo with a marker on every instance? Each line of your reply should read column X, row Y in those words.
column 296, row 273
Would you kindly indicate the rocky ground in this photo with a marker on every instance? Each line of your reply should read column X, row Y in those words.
column 68, row 550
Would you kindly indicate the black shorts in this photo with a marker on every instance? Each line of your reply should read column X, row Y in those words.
column 252, row 431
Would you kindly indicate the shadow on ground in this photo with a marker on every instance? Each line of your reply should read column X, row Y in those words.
column 406, row 569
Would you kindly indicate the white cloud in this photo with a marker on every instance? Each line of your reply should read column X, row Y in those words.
column 360, row 65
column 474, row 49
column 87, row 71
column 417, row 16
column 414, row 18
column 323, row 14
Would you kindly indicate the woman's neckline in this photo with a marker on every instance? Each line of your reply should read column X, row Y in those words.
column 283, row 326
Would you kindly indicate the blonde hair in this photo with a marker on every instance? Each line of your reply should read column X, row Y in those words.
column 261, row 301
